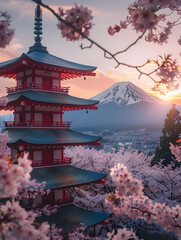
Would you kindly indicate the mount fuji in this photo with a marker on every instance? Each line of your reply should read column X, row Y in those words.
column 125, row 93
column 122, row 106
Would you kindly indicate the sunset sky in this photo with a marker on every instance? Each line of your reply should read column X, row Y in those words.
column 105, row 13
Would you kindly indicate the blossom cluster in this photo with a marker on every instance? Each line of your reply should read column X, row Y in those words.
column 80, row 18
column 6, row 33
column 124, row 181
column 17, row 223
column 3, row 147
column 78, row 234
column 168, row 72
column 136, row 205
column 122, row 234
column 144, row 15
column 3, row 101
column 176, row 151
column 11, row 175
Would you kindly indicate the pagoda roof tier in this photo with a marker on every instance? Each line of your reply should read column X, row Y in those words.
column 49, row 137
column 70, row 216
column 64, row 176
column 44, row 61
column 52, row 99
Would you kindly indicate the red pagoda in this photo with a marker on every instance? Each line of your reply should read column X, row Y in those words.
column 39, row 101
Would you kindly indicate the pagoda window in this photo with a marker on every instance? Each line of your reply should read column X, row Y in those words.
column 58, row 194
column 19, row 82
column 37, row 157
column 18, row 109
column 57, row 156
column 25, row 202
column 38, row 117
column 56, row 83
column 16, row 117
column 38, row 80
column 37, row 200
column 56, row 118
column 29, row 72
column 28, row 117
column 29, row 80
column 14, row 152
column 27, row 108
column 20, row 74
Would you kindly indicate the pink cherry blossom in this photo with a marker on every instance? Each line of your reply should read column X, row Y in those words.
column 80, row 17
column 132, row 202
column 176, row 150
column 111, row 31
column 122, row 234
column 6, row 33
column 3, row 101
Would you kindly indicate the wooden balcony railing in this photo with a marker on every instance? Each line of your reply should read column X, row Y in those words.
column 52, row 162
column 36, row 86
column 51, row 202
column 37, row 124
column 62, row 161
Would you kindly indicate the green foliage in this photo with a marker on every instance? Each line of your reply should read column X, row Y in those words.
column 171, row 132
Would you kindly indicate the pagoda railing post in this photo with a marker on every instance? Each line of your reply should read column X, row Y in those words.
column 37, row 124
column 36, row 86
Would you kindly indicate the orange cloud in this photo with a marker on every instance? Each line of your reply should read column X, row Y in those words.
column 173, row 96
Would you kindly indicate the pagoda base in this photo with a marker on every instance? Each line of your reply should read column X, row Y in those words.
column 69, row 217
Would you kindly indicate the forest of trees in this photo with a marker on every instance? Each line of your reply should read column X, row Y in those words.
column 171, row 132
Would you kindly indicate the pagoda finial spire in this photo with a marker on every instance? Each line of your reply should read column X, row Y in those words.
column 38, row 30
column 38, row 23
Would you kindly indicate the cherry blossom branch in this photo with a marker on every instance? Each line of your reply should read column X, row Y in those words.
column 132, row 44
column 144, row 212
column 76, row 23
column 107, row 54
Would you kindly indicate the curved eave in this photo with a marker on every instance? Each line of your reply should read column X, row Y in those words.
column 69, row 218
column 45, row 61
column 50, row 60
column 50, row 98
column 49, row 137
column 66, row 176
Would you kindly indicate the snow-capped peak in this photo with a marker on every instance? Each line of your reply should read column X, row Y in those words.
column 125, row 93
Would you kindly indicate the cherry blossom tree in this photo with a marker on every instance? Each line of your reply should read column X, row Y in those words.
column 16, row 222
column 129, row 199
column 176, row 150
column 153, row 185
